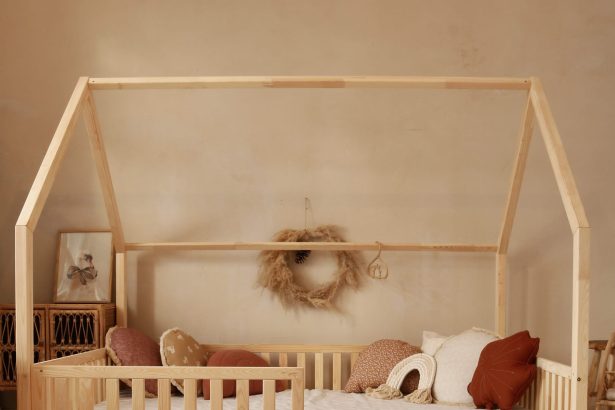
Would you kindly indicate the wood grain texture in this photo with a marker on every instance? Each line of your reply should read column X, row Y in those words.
column 32, row 208
column 138, row 394
column 113, row 394
column 500, row 294
column 275, row 348
column 559, row 160
column 162, row 372
column 190, row 394
column 215, row 396
column 509, row 83
column 24, row 322
column 580, row 318
column 99, row 155
column 314, row 246
column 527, row 129
column 319, row 370
column 243, row 394
column 121, row 290
column 164, row 394
column 269, row 395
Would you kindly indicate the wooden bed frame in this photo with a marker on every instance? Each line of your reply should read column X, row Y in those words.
column 82, row 380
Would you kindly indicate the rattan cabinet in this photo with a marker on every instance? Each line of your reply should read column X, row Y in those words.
column 59, row 330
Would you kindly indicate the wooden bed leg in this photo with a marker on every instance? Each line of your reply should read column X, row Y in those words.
column 500, row 294
column 580, row 318
column 121, row 298
column 24, row 309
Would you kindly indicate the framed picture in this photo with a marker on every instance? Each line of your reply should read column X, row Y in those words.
column 84, row 267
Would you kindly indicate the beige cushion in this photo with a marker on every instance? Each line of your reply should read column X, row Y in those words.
column 177, row 348
column 456, row 361
column 432, row 342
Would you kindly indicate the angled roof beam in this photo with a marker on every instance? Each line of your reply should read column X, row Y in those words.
column 33, row 207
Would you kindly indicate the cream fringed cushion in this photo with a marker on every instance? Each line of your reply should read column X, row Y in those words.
column 432, row 342
column 424, row 364
column 177, row 348
column 456, row 361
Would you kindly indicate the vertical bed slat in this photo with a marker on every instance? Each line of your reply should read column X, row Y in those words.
column 554, row 380
column 319, row 364
column 268, row 394
column 353, row 359
column 138, row 394
column 301, row 362
column 243, row 394
column 337, row 371
column 164, row 394
column 560, row 392
column 567, row 394
column 215, row 397
column 297, row 386
column 49, row 394
column 538, row 397
column 113, row 394
column 283, row 362
column 190, row 394
column 73, row 393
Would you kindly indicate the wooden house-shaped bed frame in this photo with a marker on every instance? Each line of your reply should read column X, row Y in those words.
column 85, row 379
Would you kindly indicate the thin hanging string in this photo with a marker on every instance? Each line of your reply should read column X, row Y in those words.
column 305, row 214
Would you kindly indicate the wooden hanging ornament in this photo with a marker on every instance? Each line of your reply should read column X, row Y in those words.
column 377, row 268
column 276, row 274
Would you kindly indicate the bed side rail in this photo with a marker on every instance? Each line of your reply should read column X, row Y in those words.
column 80, row 383
column 551, row 388
column 326, row 366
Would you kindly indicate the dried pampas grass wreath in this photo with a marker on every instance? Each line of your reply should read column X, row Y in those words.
column 276, row 274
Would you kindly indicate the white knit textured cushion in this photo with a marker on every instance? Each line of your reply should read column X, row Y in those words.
column 456, row 362
column 432, row 342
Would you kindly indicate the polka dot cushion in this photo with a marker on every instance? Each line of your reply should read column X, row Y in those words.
column 177, row 348
column 375, row 364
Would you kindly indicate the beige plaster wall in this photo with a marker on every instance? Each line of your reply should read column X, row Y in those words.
column 387, row 165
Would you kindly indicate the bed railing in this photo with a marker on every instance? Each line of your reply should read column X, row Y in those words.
column 551, row 388
column 84, row 380
column 326, row 366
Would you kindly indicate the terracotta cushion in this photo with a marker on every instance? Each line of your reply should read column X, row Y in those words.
column 130, row 347
column 505, row 370
column 177, row 348
column 237, row 358
column 376, row 362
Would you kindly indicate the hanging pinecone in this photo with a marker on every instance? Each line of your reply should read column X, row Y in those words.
column 301, row 256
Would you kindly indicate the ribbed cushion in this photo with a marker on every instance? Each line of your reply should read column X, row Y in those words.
column 505, row 370
column 130, row 347
column 237, row 358
column 375, row 363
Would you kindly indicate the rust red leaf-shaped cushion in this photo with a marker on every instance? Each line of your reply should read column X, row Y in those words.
column 237, row 358
column 506, row 368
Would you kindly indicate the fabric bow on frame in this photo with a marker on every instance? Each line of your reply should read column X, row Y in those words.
column 85, row 274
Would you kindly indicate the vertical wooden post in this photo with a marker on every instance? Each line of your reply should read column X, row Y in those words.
column 121, row 297
column 24, row 326
column 500, row 294
column 527, row 128
column 580, row 318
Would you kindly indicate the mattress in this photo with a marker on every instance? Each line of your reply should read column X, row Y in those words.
column 314, row 400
